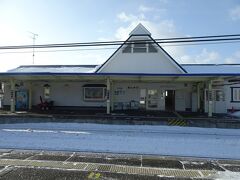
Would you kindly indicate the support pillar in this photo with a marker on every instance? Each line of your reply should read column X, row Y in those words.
column 30, row 97
column 108, row 96
column 12, row 98
column 198, row 97
column 210, row 99
column 112, row 96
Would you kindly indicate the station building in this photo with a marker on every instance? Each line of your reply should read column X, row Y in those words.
column 139, row 75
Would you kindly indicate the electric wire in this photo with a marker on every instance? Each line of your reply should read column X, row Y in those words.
column 233, row 37
column 102, row 48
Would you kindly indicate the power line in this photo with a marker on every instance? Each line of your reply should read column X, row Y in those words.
column 236, row 37
column 94, row 49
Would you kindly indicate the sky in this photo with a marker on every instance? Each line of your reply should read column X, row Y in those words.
column 67, row 21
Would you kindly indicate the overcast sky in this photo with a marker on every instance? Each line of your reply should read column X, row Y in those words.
column 64, row 21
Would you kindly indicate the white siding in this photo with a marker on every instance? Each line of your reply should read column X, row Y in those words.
column 134, row 93
column 62, row 93
column 158, row 62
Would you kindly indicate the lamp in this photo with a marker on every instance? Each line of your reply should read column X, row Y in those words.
column 46, row 85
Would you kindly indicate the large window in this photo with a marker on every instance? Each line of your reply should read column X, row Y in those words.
column 235, row 94
column 94, row 92
column 140, row 47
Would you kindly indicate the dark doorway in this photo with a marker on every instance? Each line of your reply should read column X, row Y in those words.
column 170, row 100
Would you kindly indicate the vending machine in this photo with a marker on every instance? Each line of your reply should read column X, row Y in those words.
column 21, row 100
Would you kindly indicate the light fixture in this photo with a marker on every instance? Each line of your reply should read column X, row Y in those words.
column 46, row 85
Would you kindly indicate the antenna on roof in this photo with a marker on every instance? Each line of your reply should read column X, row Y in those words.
column 34, row 35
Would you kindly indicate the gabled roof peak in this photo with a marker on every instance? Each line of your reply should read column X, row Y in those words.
column 140, row 30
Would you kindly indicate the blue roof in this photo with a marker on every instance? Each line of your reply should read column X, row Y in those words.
column 197, row 69
column 211, row 68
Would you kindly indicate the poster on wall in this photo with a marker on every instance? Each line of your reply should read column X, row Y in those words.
column 21, row 100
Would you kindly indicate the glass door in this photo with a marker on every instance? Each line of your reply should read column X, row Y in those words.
column 152, row 99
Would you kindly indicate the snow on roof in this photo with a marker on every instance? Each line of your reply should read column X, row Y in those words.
column 211, row 68
column 55, row 69
column 190, row 68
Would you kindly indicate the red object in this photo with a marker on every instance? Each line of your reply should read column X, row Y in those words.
column 45, row 105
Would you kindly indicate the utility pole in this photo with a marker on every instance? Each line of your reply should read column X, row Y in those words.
column 34, row 35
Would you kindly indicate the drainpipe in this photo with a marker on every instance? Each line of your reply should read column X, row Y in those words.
column 12, row 96
column 112, row 96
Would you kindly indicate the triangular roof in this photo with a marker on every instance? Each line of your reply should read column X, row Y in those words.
column 160, row 62
column 139, row 30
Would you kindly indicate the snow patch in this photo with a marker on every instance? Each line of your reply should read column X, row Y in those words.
column 45, row 131
column 75, row 132
column 223, row 175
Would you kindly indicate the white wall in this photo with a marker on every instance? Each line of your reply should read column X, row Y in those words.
column 141, row 63
column 71, row 93
column 134, row 94
column 62, row 93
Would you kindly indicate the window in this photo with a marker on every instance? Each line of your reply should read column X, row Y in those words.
column 215, row 95
column 94, row 92
column 152, row 48
column 219, row 95
column 140, row 48
column 127, row 49
column 235, row 94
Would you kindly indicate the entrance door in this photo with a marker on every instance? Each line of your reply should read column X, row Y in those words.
column 218, row 98
column 170, row 100
column 152, row 99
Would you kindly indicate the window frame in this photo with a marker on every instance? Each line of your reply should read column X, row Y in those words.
column 144, row 47
column 104, row 93
column 233, row 100
column 138, row 47
column 152, row 45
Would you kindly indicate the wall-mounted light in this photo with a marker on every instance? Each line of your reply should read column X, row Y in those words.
column 46, row 85
column 17, row 85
